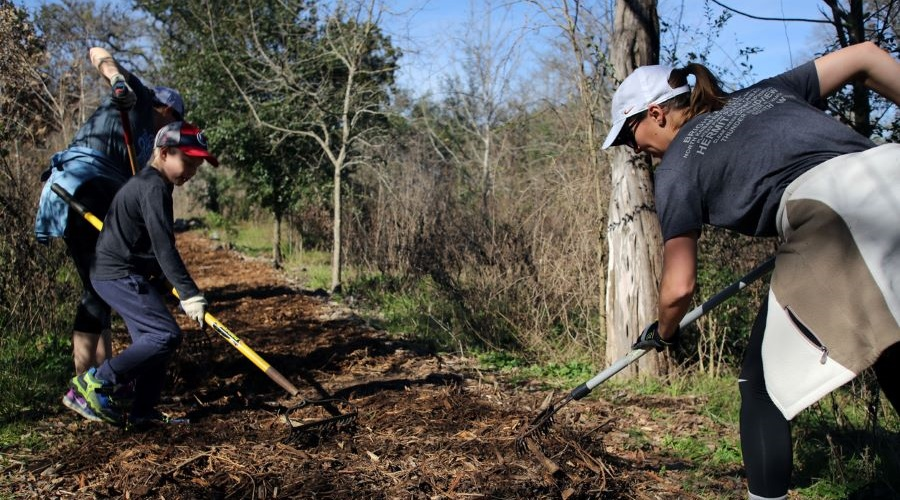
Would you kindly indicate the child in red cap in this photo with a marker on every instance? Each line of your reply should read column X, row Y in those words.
column 137, row 243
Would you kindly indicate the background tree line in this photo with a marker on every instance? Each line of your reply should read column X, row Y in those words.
column 489, row 203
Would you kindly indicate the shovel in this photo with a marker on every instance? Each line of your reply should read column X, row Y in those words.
column 337, row 420
column 540, row 425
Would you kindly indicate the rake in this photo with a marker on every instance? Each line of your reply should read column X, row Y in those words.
column 338, row 420
column 310, row 432
column 540, row 425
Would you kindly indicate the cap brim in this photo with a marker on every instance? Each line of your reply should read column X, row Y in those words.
column 200, row 153
column 613, row 135
column 179, row 113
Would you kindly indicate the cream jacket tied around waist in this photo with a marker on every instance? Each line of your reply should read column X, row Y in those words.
column 834, row 301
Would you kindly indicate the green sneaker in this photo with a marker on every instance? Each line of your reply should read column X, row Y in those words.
column 97, row 393
column 73, row 401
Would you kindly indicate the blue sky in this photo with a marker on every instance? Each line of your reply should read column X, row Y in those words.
column 430, row 32
column 785, row 44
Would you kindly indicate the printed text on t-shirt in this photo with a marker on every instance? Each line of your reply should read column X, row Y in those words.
column 721, row 125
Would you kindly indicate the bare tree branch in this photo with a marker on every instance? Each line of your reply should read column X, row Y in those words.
column 762, row 18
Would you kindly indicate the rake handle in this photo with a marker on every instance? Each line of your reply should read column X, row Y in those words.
column 75, row 204
column 211, row 320
column 129, row 140
column 760, row 271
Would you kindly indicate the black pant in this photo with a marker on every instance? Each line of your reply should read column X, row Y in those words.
column 92, row 314
column 765, row 433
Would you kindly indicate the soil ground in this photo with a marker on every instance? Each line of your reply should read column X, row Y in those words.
column 429, row 425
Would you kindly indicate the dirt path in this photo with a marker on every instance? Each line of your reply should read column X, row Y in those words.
column 429, row 425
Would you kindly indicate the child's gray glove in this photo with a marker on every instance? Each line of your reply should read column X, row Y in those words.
column 195, row 308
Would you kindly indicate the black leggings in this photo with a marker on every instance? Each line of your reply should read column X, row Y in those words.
column 766, row 434
column 92, row 314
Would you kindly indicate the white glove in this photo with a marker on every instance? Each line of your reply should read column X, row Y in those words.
column 195, row 308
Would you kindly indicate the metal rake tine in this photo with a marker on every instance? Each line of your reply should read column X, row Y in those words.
column 311, row 432
column 539, row 428
column 327, row 424
column 540, row 425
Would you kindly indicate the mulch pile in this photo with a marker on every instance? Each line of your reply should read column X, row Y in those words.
column 429, row 425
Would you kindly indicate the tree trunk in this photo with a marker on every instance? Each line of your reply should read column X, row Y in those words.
column 336, row 245
column 486, row 180
column 277, row 258
column 862, row 107
column 634, row 236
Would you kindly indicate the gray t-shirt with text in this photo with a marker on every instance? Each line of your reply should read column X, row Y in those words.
column 728, row 168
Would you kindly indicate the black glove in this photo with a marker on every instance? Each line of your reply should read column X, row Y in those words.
column 122, row 96
column 650, row 339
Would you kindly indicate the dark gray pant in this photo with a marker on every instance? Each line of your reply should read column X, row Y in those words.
column 154, row 338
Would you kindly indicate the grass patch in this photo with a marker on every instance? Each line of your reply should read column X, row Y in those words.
column 411, row 308
column 254, row 240
column 845, row 446
column 848, row 445
column 715, row 398
column 35, row 373
column 719, row 395
column 18, row 435
column 688, row 447
column 311, row 267
column 500, row 361
column 552, row 375
column 708, row 451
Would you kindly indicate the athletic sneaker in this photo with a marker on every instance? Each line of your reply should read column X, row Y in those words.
column 73, row 401
column 97, row 393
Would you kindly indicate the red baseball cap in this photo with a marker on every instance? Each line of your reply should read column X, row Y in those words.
column 188, row 138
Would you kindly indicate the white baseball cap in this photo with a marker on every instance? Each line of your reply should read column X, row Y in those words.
column 645, row 86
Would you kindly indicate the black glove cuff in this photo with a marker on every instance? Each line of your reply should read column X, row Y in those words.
column 672, row 340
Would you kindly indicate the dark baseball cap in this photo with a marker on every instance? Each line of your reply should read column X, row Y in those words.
column 169, row 97
column 188, row 138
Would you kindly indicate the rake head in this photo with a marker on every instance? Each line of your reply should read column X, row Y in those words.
column 310, row 431
column 539, row 427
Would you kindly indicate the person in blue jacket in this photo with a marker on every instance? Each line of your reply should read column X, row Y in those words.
column 136, row 245
column 92, row 168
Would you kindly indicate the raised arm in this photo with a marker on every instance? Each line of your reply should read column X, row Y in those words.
column 877, row 69
column 105, row 64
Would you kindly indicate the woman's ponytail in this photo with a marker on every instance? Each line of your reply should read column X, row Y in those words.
column 706, row 94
